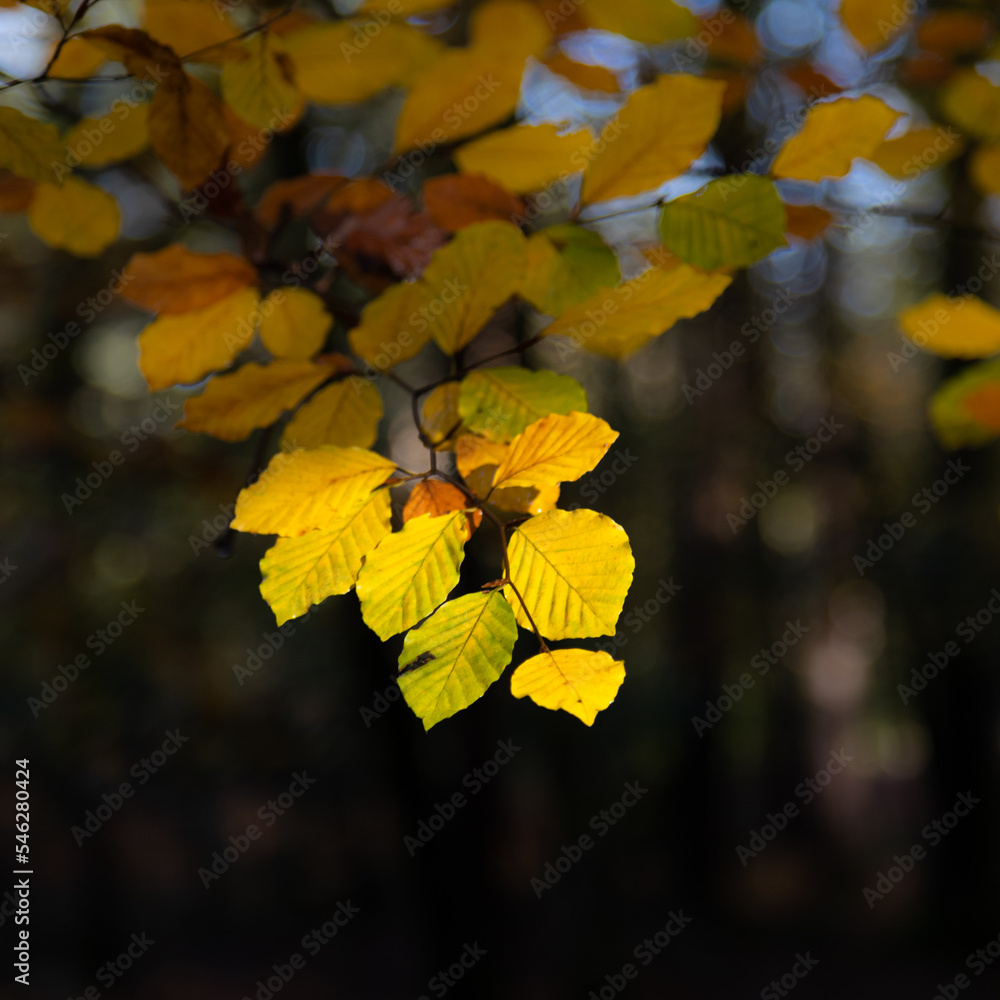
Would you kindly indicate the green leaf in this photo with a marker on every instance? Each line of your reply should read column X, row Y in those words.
column 412, row 571
column 566, row 265
column 499, row 403
column 731, row 222
column 965, row 411
column 449, row 661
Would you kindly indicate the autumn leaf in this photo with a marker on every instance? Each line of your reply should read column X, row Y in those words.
column 77, row 60
column 30, row 148
column 578, row 681
column 953, row 326
column 648, row 21
column 294, row 323
column 232, row 406
column 434, row 497
column 583, row 75
column 478, row 459
column 662, row 129
column 833, row 135
column 984, row 168
column 261, row 87
column 874, row 23
column 308, row 490
column 455, row 201
column 392, row 328
column 450, row 660
column 972, row 102
column 177, row 280
column 411, row 572
column 555, row 449
column 566, row 265
column 142, row 56
column 187, row 26
column 440, row 418
column 296, row 196
column 918, row 150
column 965, row 410
column 182, row 349
column 15, row 193
column 573, row 568
column 76, row 216
column 299, row 572
column 806, row 221
column 120, row 138
column 345, row 413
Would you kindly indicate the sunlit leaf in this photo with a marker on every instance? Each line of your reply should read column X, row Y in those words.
column 449, row 661
column 345, row 413
column 647, row 21
column 478, row 459
column 77, row 60
column 392, row 327
column 973, row 103
column 117, row 137
column 583, row 75
column 578, row 681
column 434, row 497
column 918, row 150
column 806, row 221
column 965, row 410
column 874, row 23
column 188, row 26
column 76, row 216
column 573, row 568
column 984, row 168
column 953, row 326
column 294, row 323
column 567, row 264
column 440, row 417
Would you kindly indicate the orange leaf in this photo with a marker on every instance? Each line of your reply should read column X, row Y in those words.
column 77, row 60
column 298, row 196
column 364, row 195
column 177, row 280
column 15, row 193
column 433, row 497
column 806, row 221
column 586, row 77
column 954, row 32
column 984, row 406
column 458, row 200
column 142, row 56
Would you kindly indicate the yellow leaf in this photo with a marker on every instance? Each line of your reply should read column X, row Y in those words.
column 434, row 497
column 555, row 449
column 261, row 87
column 188, row 131
column 440, row 417
column 450, row 660
column 984, row 168
column 478, row 459
column 965, row 410
column 345, row 413
column 178, row 280
column 77, row 60
column 618, row 321
column 973, row 103
column 874, row 23
column 299, row 572
column 584, row 75
column 183, row 349
column 526, row 158
column 657, row 135
column 411, row 572
column 833, row 135
column 579, row 681
column 391, row 328
column 28, row 147
column 340, row 64
column 302, row 490
column 512, row 30
column 96, row 142
column 402, row 8
column 188, row 26
column 78, row 217
column 142, row 56
column 254, row 396
column 953, row 326
column 469, row 278
column 918, row 150
column 646, row 21
column 294, row 323
column 573, row 568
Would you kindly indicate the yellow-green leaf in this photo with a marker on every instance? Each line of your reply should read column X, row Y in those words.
column 30, row 148
column 96, row 142
column 345, row 413
column 953, row 326
column 566, row 265
column 448, row 662
column 260, row 87
column 469, row 278
column 392, row 328
column 299, row 572
column 75, row 216
column 525, row 158
column 501, row 402
column 573, row 568
column 440, row 418
column 965, row 411
column 294, row 323
column 578, row 681
column 184, row 348
column 555, row 449
column 412, row 571
column 254, row 396
column 662, row 129
column 618, row 321
column 306, row 490
column 833, row 135
column 731, row 222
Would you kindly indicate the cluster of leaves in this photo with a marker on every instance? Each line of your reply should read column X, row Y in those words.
column 431, row 257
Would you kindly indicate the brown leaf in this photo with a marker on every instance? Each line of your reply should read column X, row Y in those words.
column 15, row 193
column 806, row 221
column 458, row 200
column 142, row 56
column 298, row 196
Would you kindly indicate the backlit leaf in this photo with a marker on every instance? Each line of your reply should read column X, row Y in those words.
column 478, row 459
column 584, row 75
column 345, row 413
column 97, row 142
column 412, row 571
column 299, row 572
column 965, row 410
column 567, row 264
column 77, row 60
column 294, row 323
column 28, row 147
column 254, row 396
column 392, row 328
column 76, row 216
column 984, row 168
column 833, row 135
column 918, row 150
column 579, row 681
column 307, row 490
column 662, row 129
column 555, row 449
column 261, row 88
column 874, row 23
column 440, row 417
column 973, row 103
column 731, row 222
column 457, row 654
column 188, row 26
column 647, row 21
column 434, row 497
column 953, row 326
column 806, row 221
column 574, row 569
